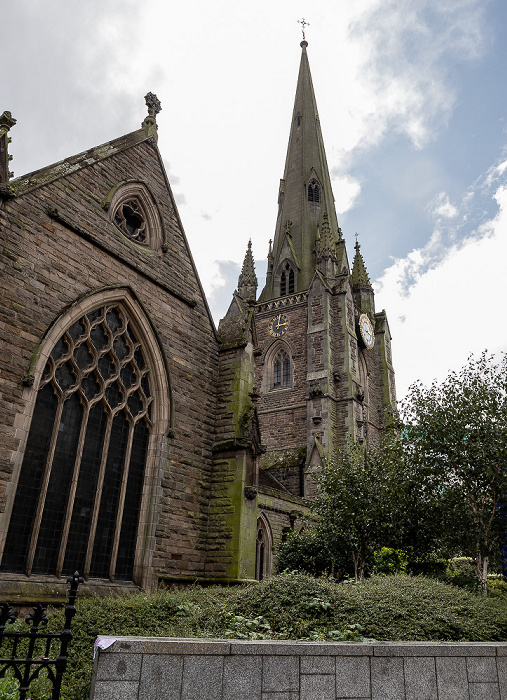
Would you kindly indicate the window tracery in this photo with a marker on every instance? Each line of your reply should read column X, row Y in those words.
column 313, row 190
column 134, row 212
column 281, row 371
column 131, row 221
column 78, row 499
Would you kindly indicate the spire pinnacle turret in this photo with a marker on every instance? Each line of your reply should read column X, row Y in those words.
column 247, row 282
column 359, row 277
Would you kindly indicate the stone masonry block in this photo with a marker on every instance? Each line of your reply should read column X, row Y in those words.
column 420, row 678
column 484, row 691
column 161, row 677
column 281, row 696
column 387, row 681
column 119, row 667
column 317, row 687
column 116, row 690
column 481, row 670
column 501, row 665
column 202, row 678
column 317, row 664
column 280, row 673
column 352, row 677
column 452, row 678
column 242, row 678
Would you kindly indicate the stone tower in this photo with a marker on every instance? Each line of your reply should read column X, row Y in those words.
column 324, row 369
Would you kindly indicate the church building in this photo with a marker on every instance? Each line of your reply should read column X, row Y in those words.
column 139, row 444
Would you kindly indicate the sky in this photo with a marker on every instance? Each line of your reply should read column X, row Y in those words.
column 413, row 108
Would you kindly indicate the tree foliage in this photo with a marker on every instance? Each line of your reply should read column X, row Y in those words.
column 455, row 432
column 435, row 485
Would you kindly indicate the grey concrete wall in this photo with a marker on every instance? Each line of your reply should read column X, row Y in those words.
column 137, row 668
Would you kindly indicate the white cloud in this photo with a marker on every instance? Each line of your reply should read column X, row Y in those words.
column 450, row 310
column 442, row 208
column 405, row 49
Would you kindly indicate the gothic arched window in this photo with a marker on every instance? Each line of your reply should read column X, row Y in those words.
column 263, row 549
column 78, row 498
column 281, row 371
column 313, row 191
column 287, row 280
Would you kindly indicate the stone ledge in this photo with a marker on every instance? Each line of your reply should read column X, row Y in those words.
column 138, row 668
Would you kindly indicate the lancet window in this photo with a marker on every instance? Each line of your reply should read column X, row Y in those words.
column 287, row 280
column 313, row 190
column 78, row 499
column 281, row 371
column 263, row 549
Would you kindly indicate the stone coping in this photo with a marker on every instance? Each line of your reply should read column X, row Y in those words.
column 198, row 646
column 166, row 668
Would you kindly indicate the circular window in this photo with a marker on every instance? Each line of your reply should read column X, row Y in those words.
column 129, row 218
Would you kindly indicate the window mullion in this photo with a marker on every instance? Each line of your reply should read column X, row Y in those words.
column 121, row 503
column 44, row 488
column 72, row 492
column 96, row 505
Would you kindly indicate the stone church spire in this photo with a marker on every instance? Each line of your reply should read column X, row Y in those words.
column 305, row 193
column 247, row 282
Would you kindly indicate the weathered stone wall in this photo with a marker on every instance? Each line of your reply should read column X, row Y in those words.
column 282, row 412
column 134, row 668
column 51, row 259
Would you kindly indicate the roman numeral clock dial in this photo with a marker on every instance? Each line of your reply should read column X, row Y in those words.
column 278, row 325
column 366, row 331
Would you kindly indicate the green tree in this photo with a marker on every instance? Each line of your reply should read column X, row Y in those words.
column 368, row 499
column 455, row 433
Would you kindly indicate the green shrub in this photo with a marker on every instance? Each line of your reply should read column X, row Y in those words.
column 389, row 561
column 314, row 554
column 288, row 606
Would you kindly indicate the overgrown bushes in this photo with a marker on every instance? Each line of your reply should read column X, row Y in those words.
column 289, row 606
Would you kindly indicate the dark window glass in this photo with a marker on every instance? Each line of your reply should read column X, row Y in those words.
column 30, row 480
column 286, row 371
column 283, row 284
column 277, row 374
column 93, row 406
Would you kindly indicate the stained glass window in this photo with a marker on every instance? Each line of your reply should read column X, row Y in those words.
column 78, row 497
column 281, row 371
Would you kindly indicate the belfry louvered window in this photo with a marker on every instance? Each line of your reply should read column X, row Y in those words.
column 287, row 281
column 313, row 191
column 281, row 371
column 78, row 498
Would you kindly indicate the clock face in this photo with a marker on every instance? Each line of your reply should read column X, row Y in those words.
column 366, row 331
column 278, row 325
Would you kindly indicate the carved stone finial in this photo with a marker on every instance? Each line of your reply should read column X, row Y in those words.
column 153, row 103
column 154, row 107
column 288, row 225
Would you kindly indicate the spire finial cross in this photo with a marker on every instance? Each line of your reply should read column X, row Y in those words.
column 357, row 236
column 304, row 24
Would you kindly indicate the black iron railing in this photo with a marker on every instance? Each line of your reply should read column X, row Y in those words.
column 31, row 652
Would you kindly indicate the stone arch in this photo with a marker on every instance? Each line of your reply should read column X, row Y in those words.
column 314, row 191
column 130, row 203
column 138, row 374
column 279, row 353
column 264, row 548
column 286, row 277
